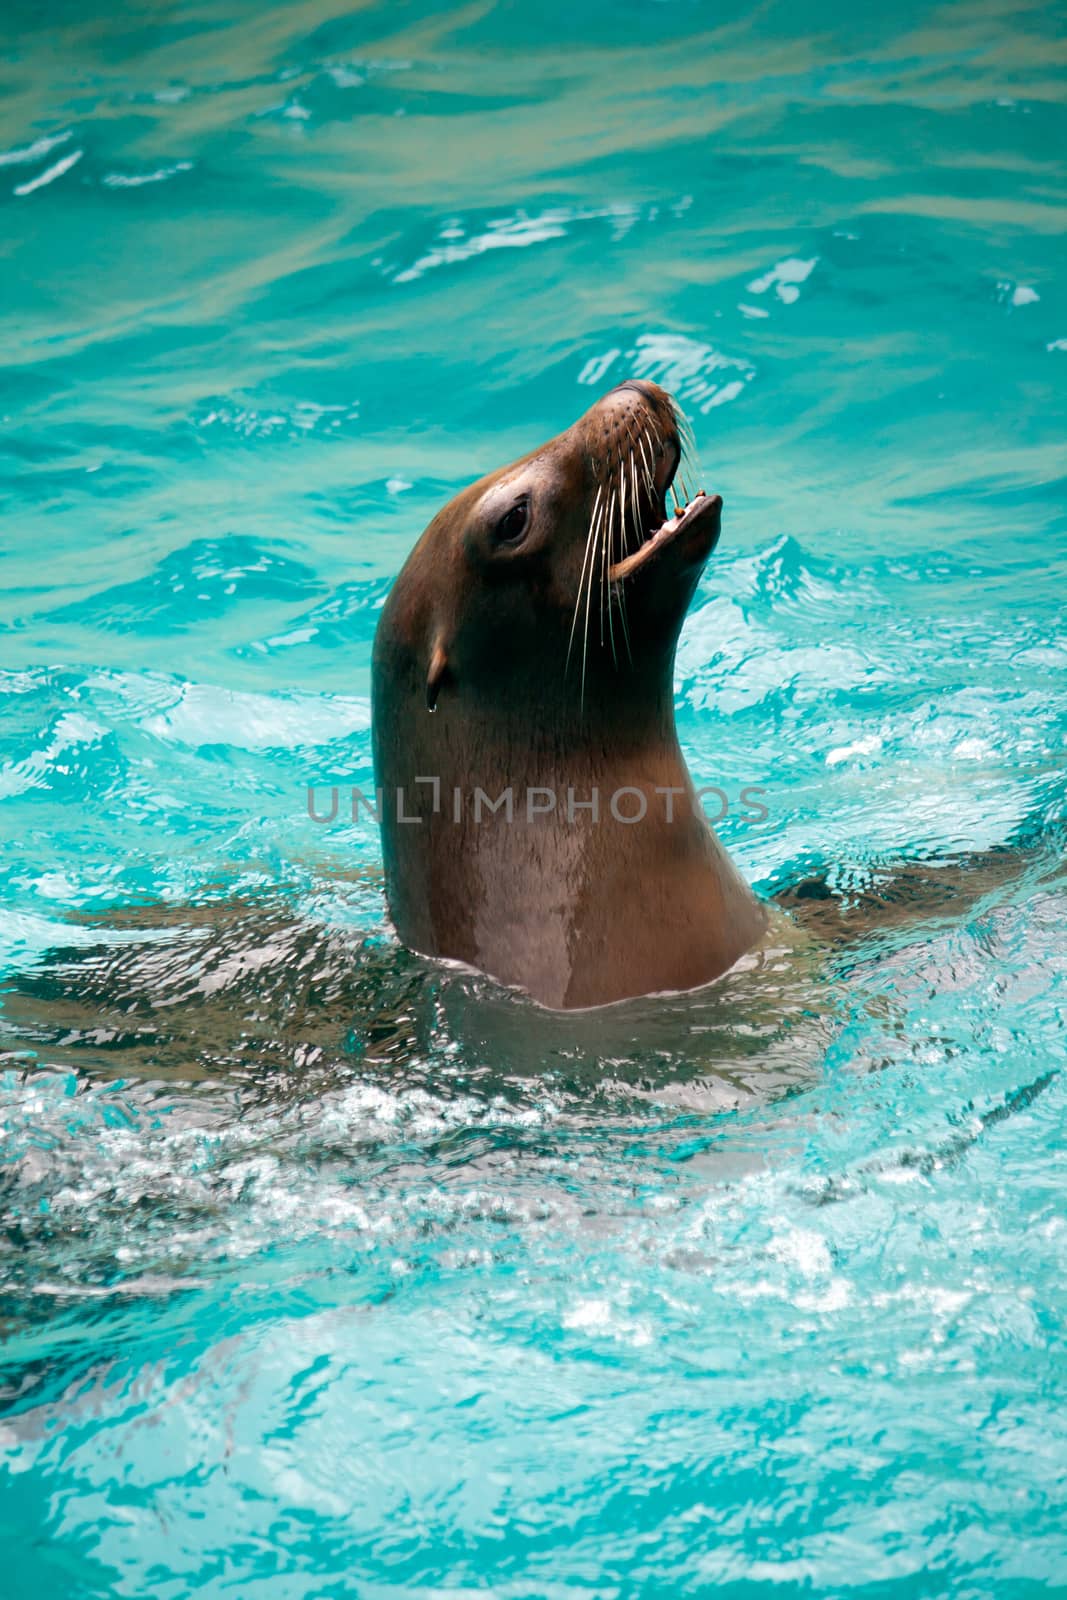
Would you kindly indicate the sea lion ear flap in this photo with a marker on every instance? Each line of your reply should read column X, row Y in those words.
column 436, row 675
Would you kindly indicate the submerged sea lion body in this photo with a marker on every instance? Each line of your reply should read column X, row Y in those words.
column 538, row 820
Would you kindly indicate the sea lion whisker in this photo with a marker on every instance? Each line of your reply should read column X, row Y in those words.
column 686, row 436
column 603, row 533
column 581, row 577
column 635, row 445
column 619, row 590
column 684, row 426
column 622, row 510
column 612, row 591
column 602, row 524
column 649, row 475
column 605, row 564
column 689, row 463
column 633, row 479
column 616, row 591
column 591, row 541
column 589, row 552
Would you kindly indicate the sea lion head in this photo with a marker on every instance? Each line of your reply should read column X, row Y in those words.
column 561, row 580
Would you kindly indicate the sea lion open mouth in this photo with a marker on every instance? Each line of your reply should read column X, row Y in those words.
column 701, row 516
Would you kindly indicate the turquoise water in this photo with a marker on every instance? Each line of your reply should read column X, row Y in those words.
column 326, row 1273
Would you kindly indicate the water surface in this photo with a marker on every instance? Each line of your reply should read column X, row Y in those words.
column 327, row 1273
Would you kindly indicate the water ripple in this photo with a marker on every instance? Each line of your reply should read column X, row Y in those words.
column 323, row 1268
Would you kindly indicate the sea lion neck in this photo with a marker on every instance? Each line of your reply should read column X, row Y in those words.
column 623, row 708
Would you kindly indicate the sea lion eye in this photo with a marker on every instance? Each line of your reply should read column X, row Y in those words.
column 511, row 529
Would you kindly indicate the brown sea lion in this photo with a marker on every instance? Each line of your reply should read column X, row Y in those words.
column 538, row 821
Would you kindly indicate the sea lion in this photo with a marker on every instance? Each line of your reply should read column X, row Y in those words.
column 538, row 821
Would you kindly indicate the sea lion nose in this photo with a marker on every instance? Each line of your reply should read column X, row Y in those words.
column 641, row 396
column 646, row 387
column 638, row 408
